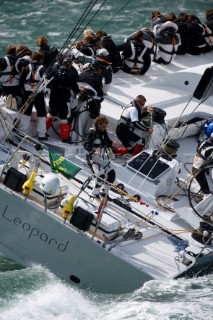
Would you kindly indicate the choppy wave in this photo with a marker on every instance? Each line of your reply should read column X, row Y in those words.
column 36, row 294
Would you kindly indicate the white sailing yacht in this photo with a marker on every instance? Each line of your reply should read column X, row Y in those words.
column 156, row 225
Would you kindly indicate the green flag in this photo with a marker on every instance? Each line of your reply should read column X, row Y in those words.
column 60, row 165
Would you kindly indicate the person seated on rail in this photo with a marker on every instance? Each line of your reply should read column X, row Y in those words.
column 167, row 42
column 135, row 55
column 50, row 53
column 197, row 36
column 148, row 38
column 87, row 46
column 106, row 41
column 24, row 53
column 89, row 32
column 209, row 19
column 130, row 130
column 10, row 69
column 157, row 18
column 183, row 31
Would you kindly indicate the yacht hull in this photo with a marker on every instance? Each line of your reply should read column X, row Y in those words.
column 30, row 235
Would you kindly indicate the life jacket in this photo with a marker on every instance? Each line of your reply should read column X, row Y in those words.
column 99, row 138
column 90, row 49
column 135, row 62
column 125, row 119
column 167, row 42
column 33, row 77
column 100, row 145
column 10, row 76
column 149, row 38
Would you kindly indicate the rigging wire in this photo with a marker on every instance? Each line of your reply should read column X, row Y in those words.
column 81, row 21
column 94, row 15
column 75, row 29
column 166, row 140
column 116, row 14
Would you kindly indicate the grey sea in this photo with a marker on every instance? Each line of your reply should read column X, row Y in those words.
column 35, row 293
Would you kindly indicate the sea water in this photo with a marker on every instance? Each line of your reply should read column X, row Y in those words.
column 22, row 21
column 35, row 293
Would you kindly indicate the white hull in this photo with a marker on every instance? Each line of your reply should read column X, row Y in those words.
column 29, row 235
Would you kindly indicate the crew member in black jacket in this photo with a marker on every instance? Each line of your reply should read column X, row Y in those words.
column 98, row 146
column 63, row 87
column 209, row 19
column 50, row 53
column 29, row 81
column 90, row 76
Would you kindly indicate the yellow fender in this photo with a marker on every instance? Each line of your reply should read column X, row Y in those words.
column 29, row 184
column 68, row 208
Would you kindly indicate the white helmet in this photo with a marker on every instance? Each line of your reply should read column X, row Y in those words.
column 102, row 52
column 50, row 184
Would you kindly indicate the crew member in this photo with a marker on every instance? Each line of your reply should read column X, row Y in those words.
column 209, row 19
column 10, row 69
column 131, row 130
column 64, row 88
column 29, row 81
column 24, row 53
column 136, row 57
column 106, row 41
column 50, row 53
column 100, row 63
column 90, row 76
column 98, row 146
column 204, row 155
